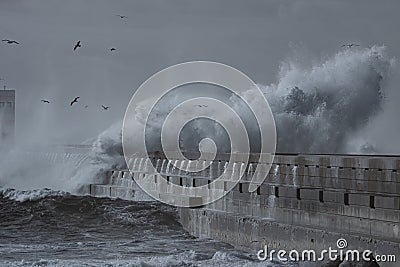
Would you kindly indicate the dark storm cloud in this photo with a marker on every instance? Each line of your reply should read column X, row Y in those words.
column 253, row 36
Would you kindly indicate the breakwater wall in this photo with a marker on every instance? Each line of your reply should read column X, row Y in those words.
column 306, row 201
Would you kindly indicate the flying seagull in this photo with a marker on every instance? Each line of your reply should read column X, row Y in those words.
column 77, row 45
column 10, row 41
column 45, row 101
column 202, row 106
column 121, row 16
column 350, row 45
column 112, row 49
column 105, row 108
column 75, row 100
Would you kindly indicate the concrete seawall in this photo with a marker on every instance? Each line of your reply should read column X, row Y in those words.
column 306, row 202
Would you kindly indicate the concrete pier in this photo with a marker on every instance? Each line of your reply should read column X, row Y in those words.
column 306, row 202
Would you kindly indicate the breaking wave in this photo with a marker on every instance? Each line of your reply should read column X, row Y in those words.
column 321, row 108
column 62, row 168
column 50, row 228
column 30, row 195
column 324, row 107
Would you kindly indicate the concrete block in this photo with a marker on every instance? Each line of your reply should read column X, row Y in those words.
column 310, row 205
column 377, row 163
column 201, row 181
column 287, row 203
column 229, row 186
column 315, row 182
column 332, row 183
column 175, row 180
column 387, row 202
column 389, row 176
column 385, row 215
column 308, row 218
column 127, row 175
column 359, row 199
column 290, row 192
column 357, row 211
column 332, row 172
column 122, row 192
column 333, row 222
column 219, row 185
column 245, row 187
column 100, row 190
column 313, row 171
column 372, row 174
column 264, row 189
column 344, row 173
column 333, row 196
column 396, row 175
column 284, row 216
column 241, row 196
column 385, row 230
column 333, row 208
column 309, row 194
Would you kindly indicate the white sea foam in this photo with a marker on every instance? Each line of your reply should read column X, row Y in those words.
column 323, row 107
column 30, row 195
column 187, row 258
column 319, row 107
column 335, row 105
column 62, row 170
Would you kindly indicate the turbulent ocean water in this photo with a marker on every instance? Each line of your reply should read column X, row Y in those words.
column 323, row 108
column 53, row 228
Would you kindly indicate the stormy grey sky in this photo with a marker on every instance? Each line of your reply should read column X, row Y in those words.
column 254, row 36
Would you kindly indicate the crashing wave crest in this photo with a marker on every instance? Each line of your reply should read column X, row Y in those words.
column 319, row 108
column 29, row 171
column 30, row 195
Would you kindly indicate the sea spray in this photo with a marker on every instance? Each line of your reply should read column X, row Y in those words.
column 106, row 153
column 318, row 108
column 27, row 169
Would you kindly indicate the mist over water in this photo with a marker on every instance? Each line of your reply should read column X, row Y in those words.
column 332, row 100
column 341, row 104
column 323, row 107
column 62, row 168
column 332, row 106
column 65, row 230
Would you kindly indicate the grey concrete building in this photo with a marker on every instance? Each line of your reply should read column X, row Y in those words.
column 7, row 118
